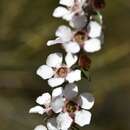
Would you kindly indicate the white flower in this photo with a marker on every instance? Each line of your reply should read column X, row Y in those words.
column 56, row 104
column 70, row 106
column 72, row 7
column 76, row 111
column 56, row 72
column 72, row 41
column 75, row 107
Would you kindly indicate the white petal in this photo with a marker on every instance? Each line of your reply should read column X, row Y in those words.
column 94, row 29
column 64, row 121
column 70, row 91
column 82, row 118
column 57, row 92
column 40, row 127
column 53, row 82
column 51, row 124
column 92, row 45
column 37, row 109
column 82, row 2
column 68, row 3
column 64, row 33
column 53, row 42
column 74, row 76
column 70, row 59
column 68, row 16
column 86, row 101
column 57, row 104
column 45, row 72
column 60, row 12
column 54, row 60
column 78, row 21
column 44, row 99
column 71, row 47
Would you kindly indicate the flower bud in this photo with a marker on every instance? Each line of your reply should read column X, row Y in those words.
column 84, row 61
column 98, row 4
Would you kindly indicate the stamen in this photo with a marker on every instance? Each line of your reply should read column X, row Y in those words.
column 71, row 107
column 80, row 37
column 62, row 72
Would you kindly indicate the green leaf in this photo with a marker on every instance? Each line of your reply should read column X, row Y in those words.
column 98, row 17
column 86, row 74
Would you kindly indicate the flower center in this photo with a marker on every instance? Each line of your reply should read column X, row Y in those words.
column 71, row 107
column 80, row 37
column 62, row 72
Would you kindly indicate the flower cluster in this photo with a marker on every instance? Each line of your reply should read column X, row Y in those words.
column 66, row 107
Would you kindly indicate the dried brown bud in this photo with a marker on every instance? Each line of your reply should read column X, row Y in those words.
column 98, row 4
column 84, row 61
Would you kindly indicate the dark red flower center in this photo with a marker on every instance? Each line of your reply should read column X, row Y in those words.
column 71, row 107
column 80, row 37
column 62, row 72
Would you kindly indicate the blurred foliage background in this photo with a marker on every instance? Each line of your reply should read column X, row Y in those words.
column 25, row 27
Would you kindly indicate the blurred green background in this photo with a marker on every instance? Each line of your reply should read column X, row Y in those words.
column 25, row 27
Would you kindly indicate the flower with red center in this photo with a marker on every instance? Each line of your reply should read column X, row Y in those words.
column 70, row 106
column 73, row 41
column 75, row 107
column 57, row 72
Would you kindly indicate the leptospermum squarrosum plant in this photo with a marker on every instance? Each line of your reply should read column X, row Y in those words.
column 66, row 107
